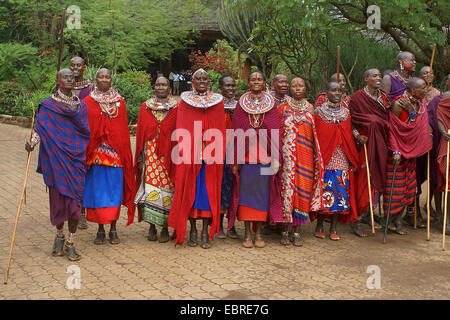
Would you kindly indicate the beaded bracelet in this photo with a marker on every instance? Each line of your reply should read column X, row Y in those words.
column 412, row 114
column 355, row 133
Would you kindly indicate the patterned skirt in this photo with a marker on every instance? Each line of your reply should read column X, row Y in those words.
column 156, row 191
column 404, row 185
column 336, row 192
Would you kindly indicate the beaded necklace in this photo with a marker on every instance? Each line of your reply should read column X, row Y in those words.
column 156, row 103
column 201, row 100
column 256, row 108
column 108, row 101
column 81, row 84
column 334, row 115
column 66, row 100
column 400, row 78
column 380, row 99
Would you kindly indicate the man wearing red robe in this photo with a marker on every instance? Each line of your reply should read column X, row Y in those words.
column 370, row 120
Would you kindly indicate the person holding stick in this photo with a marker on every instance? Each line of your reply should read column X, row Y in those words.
column 432, row 108
column 409, row 138
column 369, row 109
column 443, row 121
column 62, row 129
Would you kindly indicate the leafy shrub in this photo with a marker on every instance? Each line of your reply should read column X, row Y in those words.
column 9, row 92
column 135, row 87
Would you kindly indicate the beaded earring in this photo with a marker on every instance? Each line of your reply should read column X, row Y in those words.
column 401, row 66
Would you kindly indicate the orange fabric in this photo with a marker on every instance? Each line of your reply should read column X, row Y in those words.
column 103, row 215
column 250, row 214
column 198, row 214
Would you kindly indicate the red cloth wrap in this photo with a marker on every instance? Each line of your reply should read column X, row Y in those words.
column 412, row 140
column 443, row 115
column 186, row 173
column 113, row 131
column 330, row 136
column 271, row 122
column 372, row 120
column 147, row 129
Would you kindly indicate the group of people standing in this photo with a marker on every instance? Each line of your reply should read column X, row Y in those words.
column 266, row 158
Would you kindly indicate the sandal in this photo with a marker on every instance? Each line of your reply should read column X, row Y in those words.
column 71, row 253
column 259, row 243
column 232, row 234
column 247, row 243
column 193, row 239
column 221, row 235
column 319, row 233
column 164, row 236
column 296, row 240
column 100, row 238
column 356, row 228
column 152, row 234
column 113, row 238
column 334, row 236
column 400, row 229
column 285, row 238
column 205, row 242
column 58, row 247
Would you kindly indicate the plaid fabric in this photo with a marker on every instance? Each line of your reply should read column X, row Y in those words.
column 64, row 138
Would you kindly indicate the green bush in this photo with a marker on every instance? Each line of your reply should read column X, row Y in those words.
column 135, row 87
column 9, row 92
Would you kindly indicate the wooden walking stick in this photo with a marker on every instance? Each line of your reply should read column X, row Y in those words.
column 428, row 156
column 370, row 189
column 428, row 197
column 446, row 196
column 20, row 206
column 61, row 39
column 415, row 211
column 338, row 61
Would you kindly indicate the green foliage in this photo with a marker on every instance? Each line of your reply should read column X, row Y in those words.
column 214, row 77
column 135, row 87
column 9, row 91
column 237, row 20
column 16, row 59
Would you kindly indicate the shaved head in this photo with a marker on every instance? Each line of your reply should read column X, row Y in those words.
column 413, row 83
column 163, row 78
column 77, row 59
column 404, row 55
column 103, row 70
column 334, row 77
column 370, row 72
column 278, row 77
column 332, row 84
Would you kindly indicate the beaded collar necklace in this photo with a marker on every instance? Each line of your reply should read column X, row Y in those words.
column 380, row 98
column 400, row 78
column 109, row 96
column 71, row 101
column 255, row 106
column 335, row 115
column 299, row 106
column 159, row 104
column 286, row 98
column 201, row 100
column 81, row 84
column 108, row 101
column 415, row 102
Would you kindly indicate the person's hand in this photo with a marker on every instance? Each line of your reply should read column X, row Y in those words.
column 396, row 159
column 362, row 139
column 446, row 136
column 29, row 147
column 235, row 169
column 405, row 104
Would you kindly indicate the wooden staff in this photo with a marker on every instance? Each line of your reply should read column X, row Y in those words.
column 415, row 211
column 61, row 39
column 446, row 196
column 20, row 205
column 429, row 158
column 370, row 190
column 338, row 61
column 428, row 197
